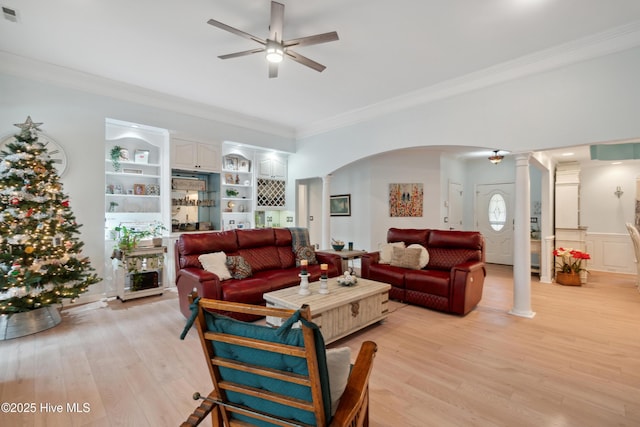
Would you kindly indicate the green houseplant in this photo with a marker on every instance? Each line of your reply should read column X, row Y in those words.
column 115, row 157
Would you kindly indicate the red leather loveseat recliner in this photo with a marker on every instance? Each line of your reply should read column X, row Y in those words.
column 268, row 251
column 453, row 279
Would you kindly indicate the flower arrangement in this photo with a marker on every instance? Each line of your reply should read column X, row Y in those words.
column 570, row 260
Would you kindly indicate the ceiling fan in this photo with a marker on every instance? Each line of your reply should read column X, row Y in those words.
column 274, row 46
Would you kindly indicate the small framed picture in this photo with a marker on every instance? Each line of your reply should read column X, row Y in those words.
column 231, row 163
column 139, row 189
column 141, row 156
column 153, row 190
column 244, row 165
column 340, row 205
column 228, row 179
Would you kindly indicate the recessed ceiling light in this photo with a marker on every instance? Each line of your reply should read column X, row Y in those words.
column 567, row 154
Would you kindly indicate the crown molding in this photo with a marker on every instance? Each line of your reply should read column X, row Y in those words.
column 601, row 44
column 49, row 73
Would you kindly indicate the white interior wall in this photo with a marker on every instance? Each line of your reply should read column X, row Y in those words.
column 600, row 209
column 76, row 120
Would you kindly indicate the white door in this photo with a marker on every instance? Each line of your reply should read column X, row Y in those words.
column 494, row 219
column 455, row 206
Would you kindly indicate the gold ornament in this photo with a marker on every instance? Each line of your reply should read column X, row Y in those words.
column 28, row 249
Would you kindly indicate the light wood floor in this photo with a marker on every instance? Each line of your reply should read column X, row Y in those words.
column 577, row 363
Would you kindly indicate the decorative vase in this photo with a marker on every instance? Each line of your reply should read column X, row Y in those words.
column 568, row 279
column 28, row 322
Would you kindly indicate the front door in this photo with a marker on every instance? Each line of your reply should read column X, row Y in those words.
column 494, row 219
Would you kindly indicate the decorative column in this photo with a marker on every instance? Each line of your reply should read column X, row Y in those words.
column 326, row 213
column 522, row 241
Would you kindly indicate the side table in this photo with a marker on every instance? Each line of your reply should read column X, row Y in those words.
column 346, row 256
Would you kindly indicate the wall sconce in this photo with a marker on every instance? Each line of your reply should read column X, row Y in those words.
column 496, row 158
column 618, row 191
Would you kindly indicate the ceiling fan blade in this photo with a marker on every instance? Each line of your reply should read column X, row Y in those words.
column 273, row 70
column 235, row 31
column 277, row 21
column 305, row 61
column 309, row 40
column 243, row 53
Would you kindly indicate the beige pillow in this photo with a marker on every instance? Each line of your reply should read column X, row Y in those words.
column 424, row 254
column 386, row 252
column 339, row 367
column 215, row 263
column 406, row 258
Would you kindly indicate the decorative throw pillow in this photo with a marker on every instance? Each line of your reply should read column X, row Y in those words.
column 406, row 258
column 306, row 252
column 238, row 267
column 339, row 367
column 424, row 254
column 215, row 263
column 386, row 252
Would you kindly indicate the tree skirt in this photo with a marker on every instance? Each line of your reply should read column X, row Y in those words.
column 29, row 322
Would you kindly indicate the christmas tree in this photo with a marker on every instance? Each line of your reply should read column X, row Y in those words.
column 40, row 254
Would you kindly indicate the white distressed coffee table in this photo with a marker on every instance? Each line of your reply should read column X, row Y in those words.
column 343, row 311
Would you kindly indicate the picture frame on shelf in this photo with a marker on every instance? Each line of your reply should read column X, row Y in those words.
column 244, row 165
column 228, row 179
column 141, row 156
column 152, row 190
column 231, row 163
column 340, row 205
column 139, row 189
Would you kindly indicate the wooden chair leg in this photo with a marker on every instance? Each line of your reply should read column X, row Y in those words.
column 201, row 412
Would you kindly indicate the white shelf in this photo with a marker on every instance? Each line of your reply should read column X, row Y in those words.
column 137, row 196
column 126, row 174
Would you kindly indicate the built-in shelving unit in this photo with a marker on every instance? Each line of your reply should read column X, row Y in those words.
column 137, row 186
column 237, row 190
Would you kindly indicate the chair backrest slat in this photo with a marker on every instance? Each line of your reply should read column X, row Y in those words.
column 289, row 350
column 265, row 372
column 267, row 395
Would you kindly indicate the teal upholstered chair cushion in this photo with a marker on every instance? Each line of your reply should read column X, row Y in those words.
column 286, row 335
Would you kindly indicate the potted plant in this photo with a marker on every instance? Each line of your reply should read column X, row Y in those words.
column 155, row 231
column 127, row 238
column 569, row 265
column 115, row 154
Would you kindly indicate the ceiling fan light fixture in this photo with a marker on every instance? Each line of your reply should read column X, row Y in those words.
column 275, row 52
column 496, row 158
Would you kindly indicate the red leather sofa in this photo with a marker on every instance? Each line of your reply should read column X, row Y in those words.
column 269, row 251
column 453, row 279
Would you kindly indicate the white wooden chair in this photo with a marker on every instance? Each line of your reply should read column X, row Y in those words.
column 635, row 238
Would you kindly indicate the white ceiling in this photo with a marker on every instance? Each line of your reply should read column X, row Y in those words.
column 387, row 49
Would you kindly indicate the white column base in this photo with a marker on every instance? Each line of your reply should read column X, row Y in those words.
column 527, row 314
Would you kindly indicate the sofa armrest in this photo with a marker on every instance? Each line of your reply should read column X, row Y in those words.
column 204, row 282
column 467, row 281
column 333, row 260
column 366, row 261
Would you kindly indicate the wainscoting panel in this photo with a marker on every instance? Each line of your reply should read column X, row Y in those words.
column 612, row 252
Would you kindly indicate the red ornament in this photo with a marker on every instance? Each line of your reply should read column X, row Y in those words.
column 29, row 212
column 15, row 201
column 65, row 203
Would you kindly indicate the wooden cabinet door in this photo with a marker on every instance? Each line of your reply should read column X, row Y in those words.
column 208, row 157
column 183, row 154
